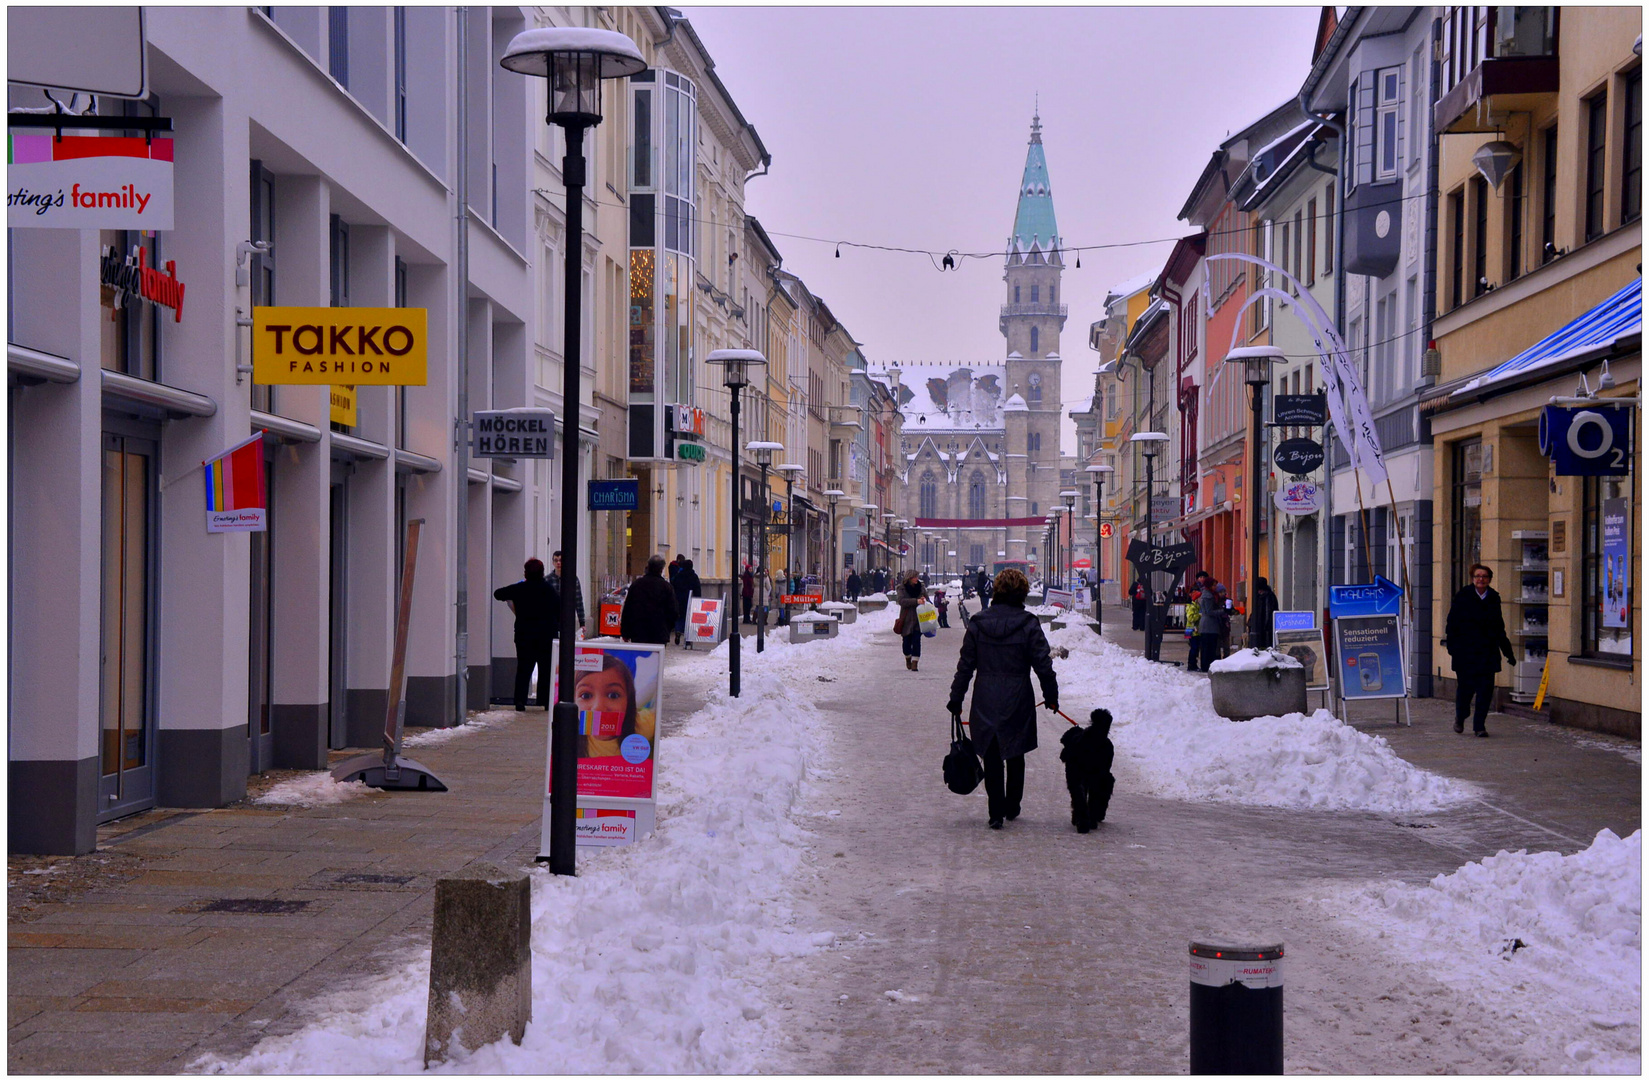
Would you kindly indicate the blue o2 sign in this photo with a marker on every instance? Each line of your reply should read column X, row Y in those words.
column 1591, row 441
column 615, row 494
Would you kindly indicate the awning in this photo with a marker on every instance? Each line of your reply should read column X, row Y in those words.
column 1597, row 331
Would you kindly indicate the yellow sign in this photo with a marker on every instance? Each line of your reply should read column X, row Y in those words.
column 343, row 406
column 1545, row 675
column 319, row 346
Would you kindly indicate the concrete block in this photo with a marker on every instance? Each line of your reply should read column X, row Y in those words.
column 480, row 965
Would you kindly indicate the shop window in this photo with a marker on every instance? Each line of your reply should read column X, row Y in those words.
column 1606, row 538
column 1466, row 497
column 1548, row 195
column 130, row 325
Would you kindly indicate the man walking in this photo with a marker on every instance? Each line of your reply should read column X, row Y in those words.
column 1213, row 621
column 1476, row 639
column 649, row 607
column 686, row 586
column 578, row 594
column 536, row 605
column 982, row 586
column 747, row 590
column 853, row 585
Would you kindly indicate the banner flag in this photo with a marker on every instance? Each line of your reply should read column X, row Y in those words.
column 236, row 499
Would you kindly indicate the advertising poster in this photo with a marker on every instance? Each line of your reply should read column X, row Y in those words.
column 618, row 689
column 1370, row 655
column 1306, row 646
column 703, row 621
column 1617, row 566
column 1064, row 599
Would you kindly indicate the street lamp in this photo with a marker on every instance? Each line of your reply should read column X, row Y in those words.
column 834, row 495
column 574, row 61
column 790, row 471
column 1099, row 472
column 1153, row 614
column 902, row 524
column 1256, row 361
column 1069, row 495
column 735, row 371
column 888, row 519
column 763, row 452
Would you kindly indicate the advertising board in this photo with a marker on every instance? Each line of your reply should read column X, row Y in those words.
column 704, row 621
column 1370, row 654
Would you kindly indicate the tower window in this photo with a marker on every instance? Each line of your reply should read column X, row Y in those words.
column 1036, row 291
column 1033, row 340
column 1035, row 380
column 1016, row 294
column 929, row 496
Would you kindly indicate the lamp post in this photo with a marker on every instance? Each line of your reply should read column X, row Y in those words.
column 1256, row 361
column 1153, row 614
column 574, row 60
column 901, row 524
column 735, row 365
column 833, row 496
column 888, row 519
column 1069, row 495
column 790, row 471
column 763, row 452
column 1098, row 472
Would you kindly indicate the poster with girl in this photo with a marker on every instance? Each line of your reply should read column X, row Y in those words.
column 618, row 690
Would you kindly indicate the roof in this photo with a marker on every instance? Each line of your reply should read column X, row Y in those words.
column 1034, row 228
column 1597, row 330
column 1015, row 403
column 1130, row 287
column 951, row 397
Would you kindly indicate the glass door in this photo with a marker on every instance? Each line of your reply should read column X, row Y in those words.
column 126, row 750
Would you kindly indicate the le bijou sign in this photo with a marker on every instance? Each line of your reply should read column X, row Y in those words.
column 1299, row 410
column 1296, row 457
column 323, row 346
column 515, row 433
column 1171, row 558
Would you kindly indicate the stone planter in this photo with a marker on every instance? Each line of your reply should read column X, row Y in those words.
column 841, row 612
column 813, row 627
column 867, row 606
column 1243, row 695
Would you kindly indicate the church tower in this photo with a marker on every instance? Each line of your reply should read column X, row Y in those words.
column 1033, row 314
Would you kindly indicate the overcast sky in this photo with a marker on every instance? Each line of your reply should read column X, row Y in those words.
column 908, row 127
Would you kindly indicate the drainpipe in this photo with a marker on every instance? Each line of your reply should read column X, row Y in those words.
column 461, row 470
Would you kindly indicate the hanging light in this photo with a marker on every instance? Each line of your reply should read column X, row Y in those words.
column 1495, row 161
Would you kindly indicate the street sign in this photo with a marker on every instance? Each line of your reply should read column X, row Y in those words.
column 1593, row 441
column 1350, row 601
column 1297, row 457
column 615, row 494
column 1370, row 653
column 1293, row 620
column 515, row 433
column 1168, row 559
column 1299, row 410
column 704, row 621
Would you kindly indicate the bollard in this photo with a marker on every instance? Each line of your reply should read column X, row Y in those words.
column 1236, row 1008
column 480, row 962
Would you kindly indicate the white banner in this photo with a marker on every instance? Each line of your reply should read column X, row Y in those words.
column 106, row 192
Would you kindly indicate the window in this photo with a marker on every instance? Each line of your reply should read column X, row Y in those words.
column 1299, row 239
column 1033, row 341
column 1457, row 244
column 131, row 325
column 337, row 44
column 1596, row 163
column 1385, row 124
column 1036, row 294
column 1631, row 192
column 1514, row 223
column 1548, row 196
column 1480, row 236
column 263, row 265
column 1016, row 294
column 1328, row 227
column 928, row 499
column 401, row 73
column 1035, row 382
column 339, row 260
column 976, row 496
column 1606, row 539
column 1311, row 243
column 1466, row 518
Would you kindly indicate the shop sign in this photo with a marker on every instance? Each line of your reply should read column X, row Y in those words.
column 342, row 405
column 1381, row 598
column 1299, row 410
column 1300, row 497
column 1170, row 558
column 1590, row 441
column 615, row 494
column 1617, row 566
column 1189, row 503
column 515, row 433
column 315, row 346
column 1296, row 457
column 89, row 182
column 689, row 452
column 1307, row 646
column 133, row 278
column 1106, row 530
column 1370, row 652
column 686, row 420
column 704, row 621
column 801, row 598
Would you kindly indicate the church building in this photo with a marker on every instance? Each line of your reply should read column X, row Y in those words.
column 981, row 441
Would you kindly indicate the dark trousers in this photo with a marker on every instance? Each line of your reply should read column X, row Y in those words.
column 944, row 621
column 746, row 601
column 913, row 644
column 984, row 600
column 1195, row 641
column 1469, row 686
column 528, row 654
column 1139, row 614
column 1002, row 802
column 1210, row 650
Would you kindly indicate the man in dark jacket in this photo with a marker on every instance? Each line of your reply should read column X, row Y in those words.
column 982, row 586
column 649, row 607
column 536, row 605
column 676, row 565
column 747, row 590
column 686, row 586
column 1213, row 623
column 578, row 592
column 1475, row 636
column 853, row 585
column 1139, row 598
column 1004, row 645
column 1260, row 612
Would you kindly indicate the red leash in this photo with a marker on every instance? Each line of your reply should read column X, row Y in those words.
column 1039, row 705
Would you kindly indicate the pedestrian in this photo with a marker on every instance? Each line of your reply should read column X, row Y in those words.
column 1002, row 647
column 1212, row 621
column 853, row 585
column 536, row 606
column 747, row 590
column 686, row 586
column 940, row 605
column 578, row 593
column 910, row 595
column 1230, row 613
column 676, row 565
column 1260, row 612
column 649, row 607
column 1476, row 639
column 1137, row 593
column 982, row 586
column 1193, row 616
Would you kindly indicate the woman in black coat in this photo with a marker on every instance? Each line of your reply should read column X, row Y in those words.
column 649, row 612
column 1260, row 612
column 1004, row 644
column 1475, row 636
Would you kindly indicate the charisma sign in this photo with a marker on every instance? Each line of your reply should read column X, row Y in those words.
column 515, row 433
column 615, row 494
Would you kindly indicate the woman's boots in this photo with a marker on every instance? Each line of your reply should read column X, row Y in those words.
column 910, row 663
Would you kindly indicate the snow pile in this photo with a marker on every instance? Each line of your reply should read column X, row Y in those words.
column 478, row 722
column 1254, row 660
column 873, row 596
column 661, row 957
column 1553, row 936
column 812, row 616
column 1172, row 744
column 314, row 789
column 837, row 605
column 1044, row 609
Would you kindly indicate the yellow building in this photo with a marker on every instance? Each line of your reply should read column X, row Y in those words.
column 1539, row 293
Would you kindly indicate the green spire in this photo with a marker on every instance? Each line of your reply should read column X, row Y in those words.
column 1034, row 227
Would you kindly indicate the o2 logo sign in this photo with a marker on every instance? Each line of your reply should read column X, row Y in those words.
column 1587, row 441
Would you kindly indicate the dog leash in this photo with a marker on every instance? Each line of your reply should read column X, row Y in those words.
column 1068, row 720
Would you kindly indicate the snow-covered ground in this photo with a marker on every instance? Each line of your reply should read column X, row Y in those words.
column 313, row 789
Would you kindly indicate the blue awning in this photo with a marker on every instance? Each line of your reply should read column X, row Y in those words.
column 1617, row 317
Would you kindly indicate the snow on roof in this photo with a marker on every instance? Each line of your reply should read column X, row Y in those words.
column 948, row 397
column 1131, row 286
column 1618, row 317
column 1015, row 404
column 1083, row 405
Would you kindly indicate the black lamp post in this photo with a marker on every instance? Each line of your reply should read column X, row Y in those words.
column 574, row 60
column 1256, row 361
column 1153, row 612
column 763, row 452
column 888, row 519
column 1098, row 472
column 833, row 579
column 1069, row 495
column 790, row 471
column 736, row 364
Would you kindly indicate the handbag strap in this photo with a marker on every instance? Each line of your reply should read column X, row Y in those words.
column 957, row 734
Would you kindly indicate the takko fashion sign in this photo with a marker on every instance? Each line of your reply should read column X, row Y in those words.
column 325, row 346
column 88, row 182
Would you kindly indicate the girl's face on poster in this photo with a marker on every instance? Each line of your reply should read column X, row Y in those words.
column 602, row 691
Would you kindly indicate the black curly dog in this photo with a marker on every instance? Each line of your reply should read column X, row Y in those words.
column 1087, row 754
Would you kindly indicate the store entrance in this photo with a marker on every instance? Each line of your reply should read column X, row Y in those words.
column 126, row 704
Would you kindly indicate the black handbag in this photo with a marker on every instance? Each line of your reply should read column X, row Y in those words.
column 962, row 769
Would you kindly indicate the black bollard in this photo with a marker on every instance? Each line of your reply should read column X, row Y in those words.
column 1236, row 1009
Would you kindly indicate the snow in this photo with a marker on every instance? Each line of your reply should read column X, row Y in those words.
column 478, row 722
column 314, row 789
column 812, row 616
column 1170, row 743
column 1553, row 939
column 837, row 605
column 1254, row 660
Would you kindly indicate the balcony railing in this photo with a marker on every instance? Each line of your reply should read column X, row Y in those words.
column 1034, row 309
column 1501, row 60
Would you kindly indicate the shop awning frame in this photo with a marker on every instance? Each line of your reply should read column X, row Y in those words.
column 1608, row 329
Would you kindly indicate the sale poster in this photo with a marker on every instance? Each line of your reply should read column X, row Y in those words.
column 703, row 621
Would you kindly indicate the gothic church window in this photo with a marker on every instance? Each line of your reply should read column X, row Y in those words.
column 976, row 496
column 929, row 496
column 1033, row 341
